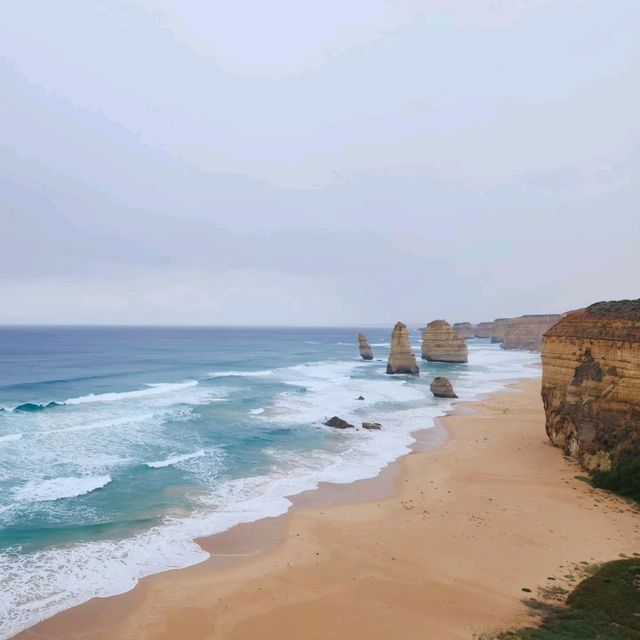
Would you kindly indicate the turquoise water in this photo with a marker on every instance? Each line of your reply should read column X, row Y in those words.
column 119, row 446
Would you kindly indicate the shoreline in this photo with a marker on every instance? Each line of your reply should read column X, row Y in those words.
column 268, row 551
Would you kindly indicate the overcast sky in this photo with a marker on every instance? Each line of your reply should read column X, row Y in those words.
column 349, row 162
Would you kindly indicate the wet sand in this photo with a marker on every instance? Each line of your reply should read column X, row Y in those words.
column 440, row 545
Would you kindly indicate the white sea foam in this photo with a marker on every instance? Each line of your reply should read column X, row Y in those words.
column 171, row 460
column 151, row 390
column 59, row 488
column 241, row 374
column 11, row 437
column 256, row 412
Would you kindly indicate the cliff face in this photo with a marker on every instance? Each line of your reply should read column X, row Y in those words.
column 365, row 348
column 526, row 332
column 465, row 330
column 591, row 383
column 484, row 329
column 498, row 327
column 440, row 343
column 401, row 358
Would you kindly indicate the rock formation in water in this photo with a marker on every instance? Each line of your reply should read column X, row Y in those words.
column 465, row 329
column 440, row 343
column 484, row 329
column 441, row 387
column 338, row 423
column 372, row 426
column 365, row 348
column 591, row 384
column 526, row 332
column 498, row 327
column 401, row 357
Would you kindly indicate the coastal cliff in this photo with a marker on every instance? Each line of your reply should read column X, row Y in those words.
column 498, row 328
column 591, row 384
column 365, row 349
column 465, row 329
column 401, row 357
column 440, row 343
column 484, row 329
column 526, row 332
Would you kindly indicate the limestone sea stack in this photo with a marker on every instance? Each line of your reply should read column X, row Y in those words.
column 441, row 387
column 465, row 329
column 401, row 358
column 365, row 349
column 440, row 343
column 591, row 384
column 498, row 327
column 526, row 332
column 484, row 329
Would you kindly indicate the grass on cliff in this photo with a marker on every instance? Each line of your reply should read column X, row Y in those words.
column 623, row 479
column 605, row 606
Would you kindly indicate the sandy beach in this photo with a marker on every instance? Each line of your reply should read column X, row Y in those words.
column 440, row 545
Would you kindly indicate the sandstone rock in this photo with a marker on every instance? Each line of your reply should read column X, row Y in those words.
column 371, row 425
column 484, row 329
column 526, row 332
column 465, row 330
column 365, row 349
column 498, row 327
column 360, row 398
column 440, row 343
column 441, row 387
column 401, row 357
column 591, row 383
column 338, row 423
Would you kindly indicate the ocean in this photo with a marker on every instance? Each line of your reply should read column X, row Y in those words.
column 119, row 446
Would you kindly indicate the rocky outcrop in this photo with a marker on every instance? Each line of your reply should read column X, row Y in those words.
column 591, row 384
column 401, row 358
column 498, row 327
column 440, row 343
column 365, row 349
column 338, row 423
column 441, row 387
column 484, row 329
column 465, row 330
column 526, row 332
column 372, row 426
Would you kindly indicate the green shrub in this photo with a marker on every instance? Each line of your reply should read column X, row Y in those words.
column 623, row 479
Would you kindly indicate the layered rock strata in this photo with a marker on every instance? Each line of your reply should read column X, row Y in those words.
column 401, row 357
column 591, row 384
column 498, row 327
column 465, row 330
column 440, row 343
column 526, row 332
column 484, row 329
column 365, row 349
column 441, row 387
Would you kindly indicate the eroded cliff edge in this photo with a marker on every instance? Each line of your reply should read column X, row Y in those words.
column 591, row 384
column 526, row 332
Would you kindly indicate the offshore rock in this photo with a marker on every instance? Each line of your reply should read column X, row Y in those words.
column 526, row 332
column 401, row 358
column 372, row 426
column 465, row 330
column 591, row 384
column 498, row 328
column 484, row 329
column 441, row 387
column 338, row 423
column 365, row 349
column 440, row 343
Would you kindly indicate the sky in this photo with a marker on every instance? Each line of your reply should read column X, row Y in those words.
column 346, row 163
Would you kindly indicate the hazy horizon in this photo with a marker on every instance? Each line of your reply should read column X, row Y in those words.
column 344, row 164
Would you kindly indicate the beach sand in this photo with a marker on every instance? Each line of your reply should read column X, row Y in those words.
column 440, row 545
